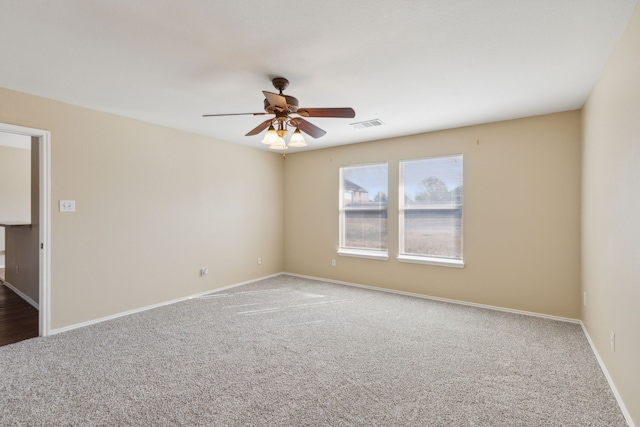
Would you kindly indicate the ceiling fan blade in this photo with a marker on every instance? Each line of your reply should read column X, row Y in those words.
column 347, row 113
column 262, row 126
column 276, row 100
column 308, row 128
column 234, row 114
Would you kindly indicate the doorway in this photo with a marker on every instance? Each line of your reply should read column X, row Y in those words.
column 42, row 144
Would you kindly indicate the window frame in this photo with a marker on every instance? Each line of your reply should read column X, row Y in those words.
column 343, row 250
column 426, row 259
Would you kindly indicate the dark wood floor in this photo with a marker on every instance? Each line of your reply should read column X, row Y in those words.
column 18, row 319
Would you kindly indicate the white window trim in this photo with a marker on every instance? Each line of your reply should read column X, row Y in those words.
column 363, row 253
column 423, row 259
column 358, row 252
column 443, row 262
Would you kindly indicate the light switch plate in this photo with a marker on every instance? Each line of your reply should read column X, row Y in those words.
column 67, row 205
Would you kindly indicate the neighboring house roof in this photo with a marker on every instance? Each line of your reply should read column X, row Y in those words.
column 352, row 186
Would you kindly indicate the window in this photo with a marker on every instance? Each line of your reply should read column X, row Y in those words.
column 363, row 211
column 431, row 211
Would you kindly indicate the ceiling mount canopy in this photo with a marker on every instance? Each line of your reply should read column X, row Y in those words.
column 287, row 114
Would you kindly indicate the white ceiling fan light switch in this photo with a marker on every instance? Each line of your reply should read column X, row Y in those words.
column 67, row 206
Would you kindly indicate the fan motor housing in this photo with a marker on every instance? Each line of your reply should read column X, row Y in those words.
column 292, row 105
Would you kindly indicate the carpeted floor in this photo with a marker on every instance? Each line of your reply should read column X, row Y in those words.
column 295, row 352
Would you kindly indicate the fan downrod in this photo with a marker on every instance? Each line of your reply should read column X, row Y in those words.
column 280, row 83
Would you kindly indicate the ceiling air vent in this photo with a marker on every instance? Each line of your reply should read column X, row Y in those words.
column 367, row 124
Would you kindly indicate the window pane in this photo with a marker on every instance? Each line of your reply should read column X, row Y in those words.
column 365, row 186
column 431, row 208
column 363, row 203
column 429, row 182
column 436, row 233
column 365, row 229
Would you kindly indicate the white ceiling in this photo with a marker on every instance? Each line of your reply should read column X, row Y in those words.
column 417, row 65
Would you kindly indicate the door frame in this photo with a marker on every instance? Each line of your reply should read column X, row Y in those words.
column 44, row 285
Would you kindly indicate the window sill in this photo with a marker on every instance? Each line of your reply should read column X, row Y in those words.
column 443, row 262
column 360, row 253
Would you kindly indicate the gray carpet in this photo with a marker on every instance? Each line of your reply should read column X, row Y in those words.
column 294, row 352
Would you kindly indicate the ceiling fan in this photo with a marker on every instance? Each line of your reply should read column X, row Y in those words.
column 287, row 113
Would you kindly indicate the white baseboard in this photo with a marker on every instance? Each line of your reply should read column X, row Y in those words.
column 150, row 307
column 22, row 295
column 141, row 309
column 452, row 301
column 623, row 408
column 621, row 404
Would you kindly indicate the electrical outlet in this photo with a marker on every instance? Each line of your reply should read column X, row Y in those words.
column 259, row 260
column 333, row 263
column 204, row 271
column 67, row 206
column 584, row 298
column 613, row 341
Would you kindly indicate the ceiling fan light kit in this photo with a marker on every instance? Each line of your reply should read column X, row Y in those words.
column 270, row 137
column 285, row 108
column 279, row 145
column 297, row 140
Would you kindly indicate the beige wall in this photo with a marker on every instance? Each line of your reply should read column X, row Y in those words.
column 15, row 190
column 611, row 215
column 154, row 205
column 521, row 215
